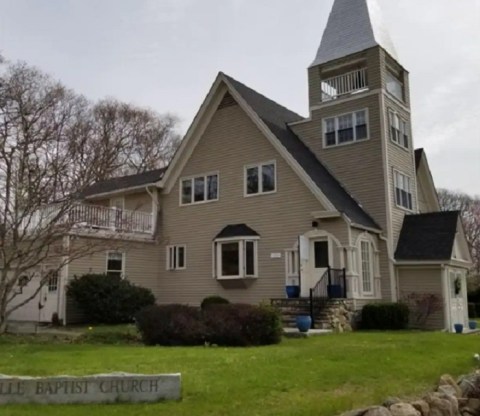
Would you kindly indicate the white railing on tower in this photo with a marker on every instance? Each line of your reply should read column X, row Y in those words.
column 347, row 83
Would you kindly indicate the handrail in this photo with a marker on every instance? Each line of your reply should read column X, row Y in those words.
column 343, row 84
column 332, row 285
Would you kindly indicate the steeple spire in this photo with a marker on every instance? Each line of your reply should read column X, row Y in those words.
column 353, row 26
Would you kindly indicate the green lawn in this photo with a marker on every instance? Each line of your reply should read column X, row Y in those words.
column 317, row 376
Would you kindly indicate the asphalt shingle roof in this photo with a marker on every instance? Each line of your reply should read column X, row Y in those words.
column 237, row 230
column 427, row 236
column 124, row 182
column 277, row 117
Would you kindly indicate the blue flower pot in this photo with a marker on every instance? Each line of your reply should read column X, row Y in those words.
column 458, row 328
column 292, row 291
column 472, row 325
column 304, row 323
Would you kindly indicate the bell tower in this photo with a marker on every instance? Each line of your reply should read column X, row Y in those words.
column 359, row 124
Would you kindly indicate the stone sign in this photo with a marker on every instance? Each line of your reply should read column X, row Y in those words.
column 100, row 388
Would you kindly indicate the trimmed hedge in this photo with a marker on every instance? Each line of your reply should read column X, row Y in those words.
column 171, row 325
column 213, row 300
column 108, row 299
column 242, row 325
column 385, row 316
column 225, row 324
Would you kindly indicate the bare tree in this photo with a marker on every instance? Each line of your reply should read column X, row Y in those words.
column 39, row 181
column 470, row 211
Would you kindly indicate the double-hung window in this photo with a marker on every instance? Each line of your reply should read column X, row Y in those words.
column 236, row 258
column 260, row 178
column 398, row 129
column 115, row 264
column 403, row 190
column 176, row 257
column 346, row 128
column 199, row 189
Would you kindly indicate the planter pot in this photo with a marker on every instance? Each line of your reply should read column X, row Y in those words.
column 304, row 323
column 334, row 291
column 472, row 325
column 458, row 328
column 292, row 291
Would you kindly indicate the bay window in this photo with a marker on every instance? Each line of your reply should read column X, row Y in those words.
column 236, row 258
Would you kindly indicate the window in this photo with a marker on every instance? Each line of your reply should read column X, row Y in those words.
column 366, row 257
column 260, row 179
column 115, row 264
column 236, row 259
column 346, row 128
column 292, row 263
column 403, row 190
column 199, row 189
column 394, row 86
column 398, row 129
column 176, row 257
column 52, row 282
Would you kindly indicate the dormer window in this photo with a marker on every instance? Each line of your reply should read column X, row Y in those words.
column 346, row 128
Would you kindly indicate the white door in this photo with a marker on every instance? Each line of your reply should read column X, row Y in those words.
column 48, row 302
column 318, row 265
column 116, row 215
column 457, row 301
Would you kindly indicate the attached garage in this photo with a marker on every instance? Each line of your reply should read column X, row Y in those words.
column 432, row 262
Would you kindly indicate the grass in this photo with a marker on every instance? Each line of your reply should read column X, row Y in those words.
column 317, row 376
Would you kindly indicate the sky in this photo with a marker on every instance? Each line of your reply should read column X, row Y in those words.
column 165, row 54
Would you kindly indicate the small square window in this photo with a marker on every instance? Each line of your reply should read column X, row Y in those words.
column 115, row 264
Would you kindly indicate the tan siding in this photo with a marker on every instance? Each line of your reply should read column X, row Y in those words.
column 142, row 265
column 230, row 142
column 363, row 178
column 138, row 201
column 402, row 160
column 423, row 281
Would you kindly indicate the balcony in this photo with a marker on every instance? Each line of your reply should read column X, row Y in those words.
column 93, row 217
column 345, row 84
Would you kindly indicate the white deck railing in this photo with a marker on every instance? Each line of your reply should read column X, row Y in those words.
column 92, row 217
column 348, row 83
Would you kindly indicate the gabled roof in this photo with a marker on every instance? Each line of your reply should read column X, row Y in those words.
column 124, row 182
column 353, row 26
column 427, row 236
column 237, row 230
column 276, row 118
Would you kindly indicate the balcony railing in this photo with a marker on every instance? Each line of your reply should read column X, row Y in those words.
column 92, row 217
column 344, row 84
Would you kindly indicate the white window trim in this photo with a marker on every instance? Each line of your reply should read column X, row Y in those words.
column 176, row 247
column 123, row 262
column 372, row 265
column 217, row 257
column 336, row 117
column 260, row 179
column 395, row 171
column 192, row 178
column 392, row 112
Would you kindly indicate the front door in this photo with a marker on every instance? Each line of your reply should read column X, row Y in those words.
column 318, row 265
column 48, row 302
column 457, row 302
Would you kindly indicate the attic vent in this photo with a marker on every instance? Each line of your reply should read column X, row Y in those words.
column 227, row 101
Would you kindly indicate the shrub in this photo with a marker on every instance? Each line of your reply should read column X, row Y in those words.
column 108, row 299
column 242, row 325
column 171, row 325
column 385, row 316
column 474, row 295
column 213, row 300
column 474, row 310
